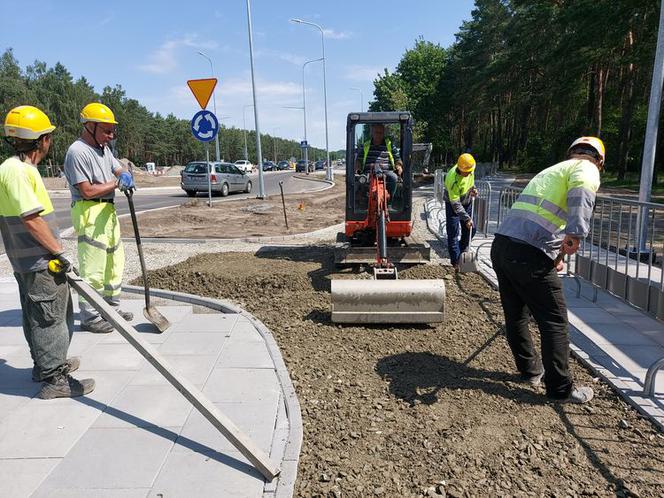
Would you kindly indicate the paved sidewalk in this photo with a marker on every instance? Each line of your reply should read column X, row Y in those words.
column 136, row 435
column 617, row 341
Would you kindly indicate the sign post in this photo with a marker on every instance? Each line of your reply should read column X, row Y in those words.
column 204, row 124
column 305, row 150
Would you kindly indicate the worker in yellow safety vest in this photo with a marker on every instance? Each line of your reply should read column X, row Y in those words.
column 549, row 218
column 379, row 153
column 93, row 174
column 459, row 192
column 32, row 242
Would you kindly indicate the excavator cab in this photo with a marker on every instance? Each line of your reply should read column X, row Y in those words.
column 362, row 160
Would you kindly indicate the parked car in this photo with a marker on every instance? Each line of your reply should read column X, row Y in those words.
column 301, row 166
column 282, row 165
column 319, row 165
column 245, row 165
column 269, row 166
column 224, row 178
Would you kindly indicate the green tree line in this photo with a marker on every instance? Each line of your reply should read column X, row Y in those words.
column 143, row 136
column 526, row 77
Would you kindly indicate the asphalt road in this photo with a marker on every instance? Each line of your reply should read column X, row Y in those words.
column 151, row 198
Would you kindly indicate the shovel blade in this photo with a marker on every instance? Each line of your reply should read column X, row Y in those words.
column 468, row 263
column 156, row 318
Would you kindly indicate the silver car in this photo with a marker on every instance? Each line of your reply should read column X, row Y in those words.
column 224, row 178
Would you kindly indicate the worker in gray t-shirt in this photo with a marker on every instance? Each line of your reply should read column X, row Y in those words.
column 93, row 175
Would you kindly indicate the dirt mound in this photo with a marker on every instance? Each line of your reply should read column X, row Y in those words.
column 424, row 410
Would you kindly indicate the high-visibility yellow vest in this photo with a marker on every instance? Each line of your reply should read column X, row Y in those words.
column 22, row 193
column 388, row 146
column 559, row 200
column 456, row 185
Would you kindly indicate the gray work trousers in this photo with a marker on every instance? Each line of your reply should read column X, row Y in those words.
column 48, row 320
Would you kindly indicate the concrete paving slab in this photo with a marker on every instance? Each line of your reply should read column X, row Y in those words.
column 205, row 322
column 92, row 493
column 193, row 474
column 255, row 419
column 142, row 406
column 242, row 384
column 240, row 354
column 592, row 316
column 203, row 343
column 20, row 477
column 112, row 458
column 114, row 357
column 118, row 442
column 612, row 333
column 11, row 399
column 40, row 429
column 195, row 368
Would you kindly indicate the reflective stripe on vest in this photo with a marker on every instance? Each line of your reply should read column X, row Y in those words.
column 388, row 146
column 545, row 197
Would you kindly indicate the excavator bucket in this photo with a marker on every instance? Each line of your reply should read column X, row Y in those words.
column 388, row 301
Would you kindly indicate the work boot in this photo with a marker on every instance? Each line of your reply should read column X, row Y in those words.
column 98, row 327
column 579, row 395
column 71, row 365
column 533, row 380
column 65, row 386
column 127, row 315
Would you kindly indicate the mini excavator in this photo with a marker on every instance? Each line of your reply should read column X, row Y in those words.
column 377, row 232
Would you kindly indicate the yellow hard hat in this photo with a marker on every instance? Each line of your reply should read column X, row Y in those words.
column 594, row 143
column 97, row 113
column 466, row 163
column 27, row 122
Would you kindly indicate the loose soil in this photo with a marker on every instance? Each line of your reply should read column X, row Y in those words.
column 424, row 410
column 244, row 217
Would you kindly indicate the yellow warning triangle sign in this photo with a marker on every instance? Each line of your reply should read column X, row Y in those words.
column 202, row 90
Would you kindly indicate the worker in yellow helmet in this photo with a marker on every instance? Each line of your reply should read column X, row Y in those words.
column 31, row 237
column 459, row 192
column 549, row 218
column 93, row 174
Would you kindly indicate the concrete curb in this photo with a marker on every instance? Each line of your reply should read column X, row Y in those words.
column 284, row 484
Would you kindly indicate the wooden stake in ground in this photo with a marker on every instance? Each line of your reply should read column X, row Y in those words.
column 283, row 202
column 226, row 426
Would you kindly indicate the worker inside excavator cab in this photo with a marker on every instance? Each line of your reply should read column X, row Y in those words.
column 376, row 150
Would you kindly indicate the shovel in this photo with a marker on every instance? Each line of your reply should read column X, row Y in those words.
column 150, row 312
column 467, row 259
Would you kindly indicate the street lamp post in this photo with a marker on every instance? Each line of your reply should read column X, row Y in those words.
column 361, row 97
column 259, row 153
column 214, row 106
column 330, row 175
column 304, row 112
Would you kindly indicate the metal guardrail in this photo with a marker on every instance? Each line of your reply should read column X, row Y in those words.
column 612, row 257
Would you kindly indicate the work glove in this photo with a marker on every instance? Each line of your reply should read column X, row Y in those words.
column 469, row 224
column 570, row 244
column 126, row 182
column 60, row 263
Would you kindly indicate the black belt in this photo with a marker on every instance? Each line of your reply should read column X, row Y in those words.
column 110, row 201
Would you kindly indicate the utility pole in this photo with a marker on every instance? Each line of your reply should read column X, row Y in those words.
column 259, row 153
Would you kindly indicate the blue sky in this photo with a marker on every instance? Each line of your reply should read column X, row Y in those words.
column 150, row 48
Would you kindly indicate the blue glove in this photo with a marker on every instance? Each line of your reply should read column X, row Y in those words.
column 126, row 182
